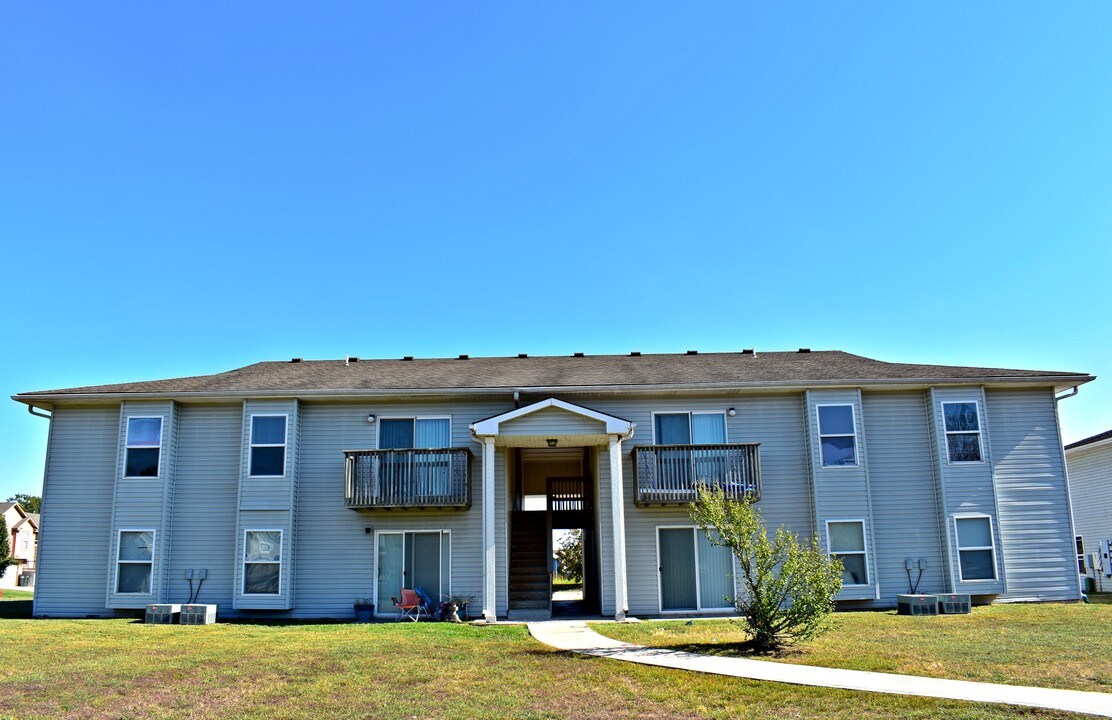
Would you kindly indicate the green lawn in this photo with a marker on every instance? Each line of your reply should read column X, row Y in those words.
column 124, row 669
column 15, row 604
column 1048, row 645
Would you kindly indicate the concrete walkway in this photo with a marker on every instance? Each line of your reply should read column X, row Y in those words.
column 574, row 635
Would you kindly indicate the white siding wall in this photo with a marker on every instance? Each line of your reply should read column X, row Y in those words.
column 1090, row 474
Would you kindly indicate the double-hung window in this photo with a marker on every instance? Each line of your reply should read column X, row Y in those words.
column 268, row 446
column 143, row 447
column 262, row 562
column 976, row 553
column 846, row 541
column 837, row 435
column 963, row 431
column 134, row 562
column 1079, row 542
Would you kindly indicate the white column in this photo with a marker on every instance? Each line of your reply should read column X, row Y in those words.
column 490, row 567
column 617, row 511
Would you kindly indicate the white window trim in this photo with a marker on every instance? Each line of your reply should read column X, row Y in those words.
column 251, row 444
column 281, row 562
column 698, row 584
column 863, row 552
column 414, row 418
column 390, row 612
column 992, row 547
column 947, row 433
column 116, row 572
column 128, row 446
column 856, row 443
column 690, row 424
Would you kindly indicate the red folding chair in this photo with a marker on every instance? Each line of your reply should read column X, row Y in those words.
column 410, row 606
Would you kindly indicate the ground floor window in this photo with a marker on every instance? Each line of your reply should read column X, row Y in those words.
column 417, row 560
column 135, row 562
column 1080, row 543
column 695, row 574
column 845, row 539
column 262, row 562
column 976, row 554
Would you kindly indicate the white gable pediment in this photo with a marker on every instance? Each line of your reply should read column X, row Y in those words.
column 552, row 417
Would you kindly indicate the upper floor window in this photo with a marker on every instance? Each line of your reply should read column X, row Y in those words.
column 837, row 435
column 689, row 428
column 262, row 562
column 415, row 433
column 134, row 562
column 976, row 553
column 963, row 431
column 846, row 541
column 268, row 446
column 143, row 447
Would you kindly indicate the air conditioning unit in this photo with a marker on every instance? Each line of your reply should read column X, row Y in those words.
column 198, row 614
column 917, row 604
column 954, row 604
column 162, row 614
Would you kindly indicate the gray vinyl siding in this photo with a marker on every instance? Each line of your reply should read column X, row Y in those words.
column 775, row 421
column 904, row 493
column 967, row 488
column 552, row 421
column 842, row 493
column 268, row 503
column 77, row 512
column 1090, row 481
column 144, row 503
column 335, row 555
column 1033, row 500
column 204, row 523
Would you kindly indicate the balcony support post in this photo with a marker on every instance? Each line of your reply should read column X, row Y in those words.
column 617, row 512
column 490, row 567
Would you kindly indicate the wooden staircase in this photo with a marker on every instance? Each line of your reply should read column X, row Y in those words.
column 530, row 557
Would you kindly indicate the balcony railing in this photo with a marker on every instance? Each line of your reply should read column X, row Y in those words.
column 669, row 474
column 395, row 479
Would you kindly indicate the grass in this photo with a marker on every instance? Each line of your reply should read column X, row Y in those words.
column 124, row 669
column 1047, row 645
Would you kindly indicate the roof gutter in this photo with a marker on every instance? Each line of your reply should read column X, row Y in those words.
column 31, row 409
column 1071, row 393
column 357, row 393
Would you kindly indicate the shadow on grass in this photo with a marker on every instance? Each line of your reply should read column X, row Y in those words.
column 15, row 610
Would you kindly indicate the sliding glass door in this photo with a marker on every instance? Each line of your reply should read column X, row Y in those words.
column 695, row 574
column 420, row 560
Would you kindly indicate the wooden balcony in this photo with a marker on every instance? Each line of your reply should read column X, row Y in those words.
column 669, row 474
column 407, row 479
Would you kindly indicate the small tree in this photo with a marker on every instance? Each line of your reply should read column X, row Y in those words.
column 6, row 558
column 30, row 503
column 569, row 556
column 788, row 586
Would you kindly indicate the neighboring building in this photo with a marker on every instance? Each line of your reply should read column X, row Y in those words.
column 1089, row 463
column 299, row 486
column 23, row 538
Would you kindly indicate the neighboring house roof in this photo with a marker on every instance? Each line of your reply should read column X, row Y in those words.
column 31, row 519
column 6, row 506
column 560, row 372
column 1106, row 435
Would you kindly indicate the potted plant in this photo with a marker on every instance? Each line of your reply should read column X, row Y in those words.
column 457, row 607
column 364, row 609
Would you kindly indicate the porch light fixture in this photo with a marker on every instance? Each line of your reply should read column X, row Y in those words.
column 370, row 418
column 551, row 442
column 731, row 412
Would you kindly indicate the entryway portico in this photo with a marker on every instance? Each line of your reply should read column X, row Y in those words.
column 554, row 423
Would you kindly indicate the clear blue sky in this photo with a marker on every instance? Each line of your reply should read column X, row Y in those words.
column 186, row 188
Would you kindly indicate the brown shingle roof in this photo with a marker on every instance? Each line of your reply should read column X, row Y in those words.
column 488, row 373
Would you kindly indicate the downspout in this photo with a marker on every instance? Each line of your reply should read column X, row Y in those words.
column 1069, row 494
